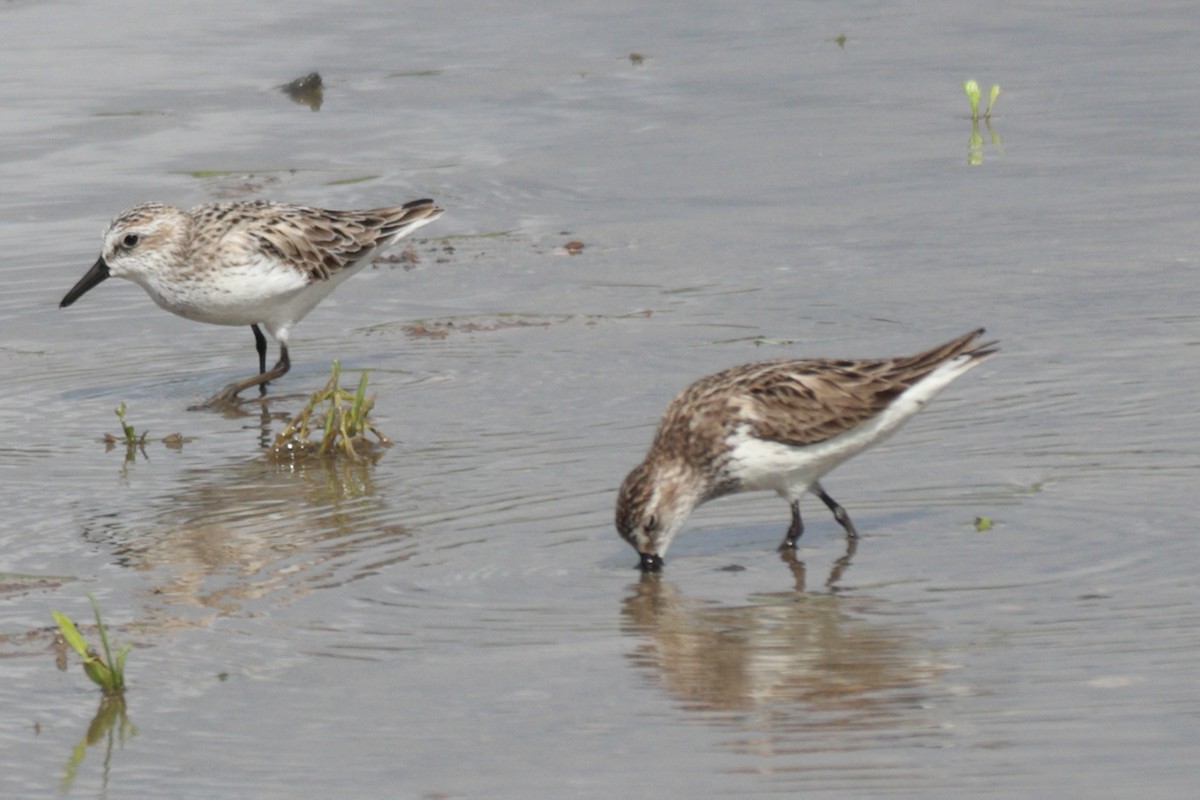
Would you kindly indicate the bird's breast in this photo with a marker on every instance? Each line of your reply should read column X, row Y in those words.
column 225, row 294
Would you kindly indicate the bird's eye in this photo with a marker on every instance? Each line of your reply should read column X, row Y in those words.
column 130, row 240
column 651, row 523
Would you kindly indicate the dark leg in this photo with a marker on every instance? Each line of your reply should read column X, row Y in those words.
column 230, row 392
column 839, row 513
column 282, row 365
column 794, row 531
column 260, row 344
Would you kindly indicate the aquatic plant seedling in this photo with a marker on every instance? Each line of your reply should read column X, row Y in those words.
column 343, row 424
column 107, row 673
column 971, row 90
column 130, row 437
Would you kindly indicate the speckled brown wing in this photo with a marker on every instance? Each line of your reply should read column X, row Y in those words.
column 318, row 242
column 805, row 402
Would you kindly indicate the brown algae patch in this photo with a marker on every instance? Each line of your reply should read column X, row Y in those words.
column 409, row 257
column 441, row 328
column 15, row 583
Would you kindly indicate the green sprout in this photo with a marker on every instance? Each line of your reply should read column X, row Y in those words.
column 992, row 95
column 131, row 438
column 975, row 144
column 343, row 424
column 107, row 673
column 971, row 90
column 983, row 524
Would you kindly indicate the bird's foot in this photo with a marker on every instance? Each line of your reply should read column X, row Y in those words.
column 226, row 398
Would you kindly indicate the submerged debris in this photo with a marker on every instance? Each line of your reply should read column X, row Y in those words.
column 307, row 91
column 343, row 424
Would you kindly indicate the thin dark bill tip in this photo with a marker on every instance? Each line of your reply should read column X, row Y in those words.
column 95, row 275
column 651, row 562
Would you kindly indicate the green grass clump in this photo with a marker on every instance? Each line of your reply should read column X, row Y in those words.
column 108, row 673
column 342, row 422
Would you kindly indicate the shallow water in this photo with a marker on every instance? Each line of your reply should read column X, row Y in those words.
column 460, row 619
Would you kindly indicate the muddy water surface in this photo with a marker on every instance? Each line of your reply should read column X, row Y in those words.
column 459, row 619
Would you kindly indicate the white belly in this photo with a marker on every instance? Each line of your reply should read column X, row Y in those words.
column 275, row 295
column 789, row 470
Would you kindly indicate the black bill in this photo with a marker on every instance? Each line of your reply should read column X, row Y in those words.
column 651, row 562
column 95, row 275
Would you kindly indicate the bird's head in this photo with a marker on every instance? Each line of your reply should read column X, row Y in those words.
column 654, row 502
column 138, row 245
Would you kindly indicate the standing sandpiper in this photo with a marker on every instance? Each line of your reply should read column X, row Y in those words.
column 778, row 425
column 246, row 263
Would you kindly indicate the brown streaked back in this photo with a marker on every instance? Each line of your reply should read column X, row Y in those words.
column 800, row 402
column 316, row 241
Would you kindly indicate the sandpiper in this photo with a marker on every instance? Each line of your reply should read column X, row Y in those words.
column 247, row 263
column 778, row 425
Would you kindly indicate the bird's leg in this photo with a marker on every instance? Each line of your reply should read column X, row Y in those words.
column 227, row 395
column 792, row 538
column 839, row 513
column 260, row 344
column 283, row 364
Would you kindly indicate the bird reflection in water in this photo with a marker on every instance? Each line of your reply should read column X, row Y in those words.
column 791, row 671
column 799, row 571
